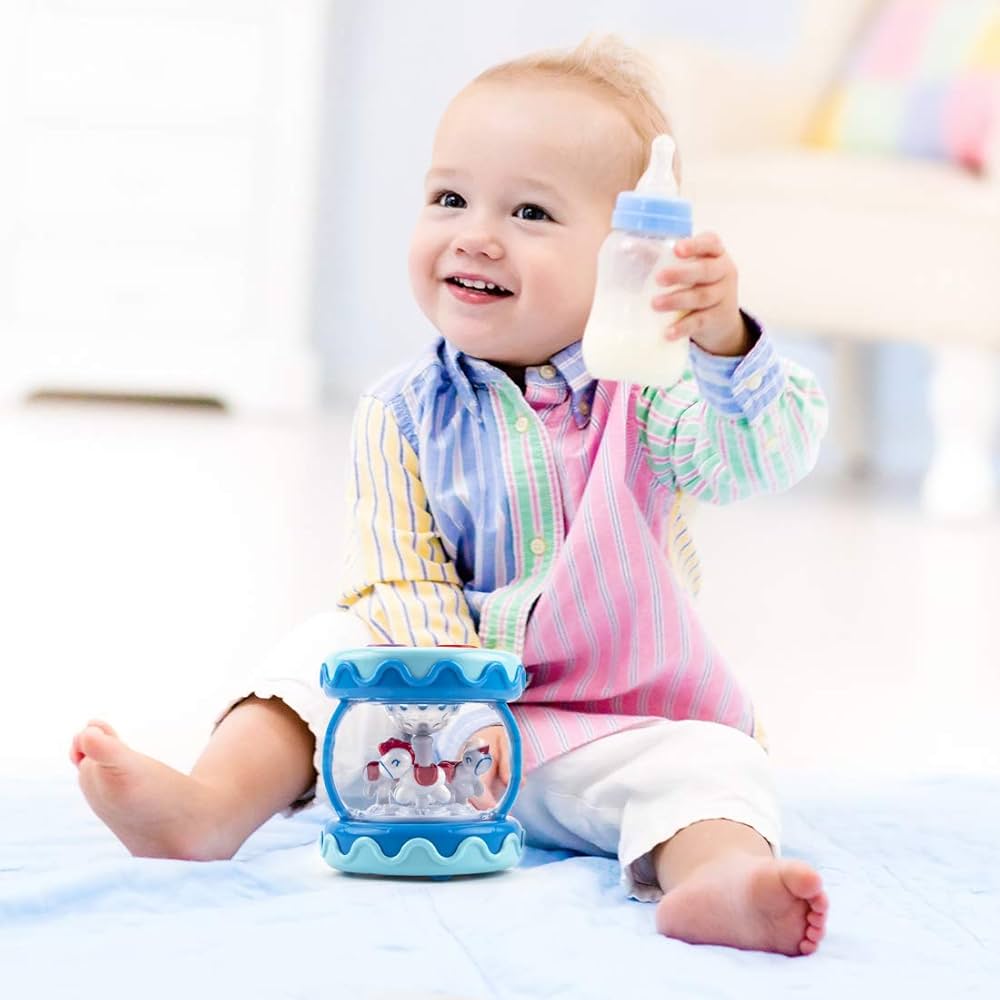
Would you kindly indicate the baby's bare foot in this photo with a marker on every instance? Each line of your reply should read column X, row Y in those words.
column 155, row 811
column 746, row 901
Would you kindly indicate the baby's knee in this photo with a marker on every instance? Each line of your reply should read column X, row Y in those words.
column 719, row 748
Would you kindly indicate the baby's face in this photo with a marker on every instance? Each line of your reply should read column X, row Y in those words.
column 519, row 196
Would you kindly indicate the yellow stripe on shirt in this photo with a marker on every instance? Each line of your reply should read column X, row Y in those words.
column 400, row 580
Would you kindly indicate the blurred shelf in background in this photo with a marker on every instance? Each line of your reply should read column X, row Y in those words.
column 158, row 170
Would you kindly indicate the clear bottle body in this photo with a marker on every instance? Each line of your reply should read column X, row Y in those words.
column 625, row 338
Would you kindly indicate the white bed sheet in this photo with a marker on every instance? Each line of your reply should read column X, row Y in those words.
column 910, row 867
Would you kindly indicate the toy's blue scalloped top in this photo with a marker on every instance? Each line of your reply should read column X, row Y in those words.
column 434, row 673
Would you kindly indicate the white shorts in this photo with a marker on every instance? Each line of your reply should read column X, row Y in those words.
column 620, row 796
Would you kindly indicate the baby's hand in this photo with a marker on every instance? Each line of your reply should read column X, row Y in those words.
column 704, row 281
column 497, row 778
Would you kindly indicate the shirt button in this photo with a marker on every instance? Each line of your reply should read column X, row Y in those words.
column 773, row 444
column 584, row 407
column 521, row 425
column 547, row 372
column 538, row 546
column 753, row 382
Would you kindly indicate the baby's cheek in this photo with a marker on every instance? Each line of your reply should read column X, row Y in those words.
column 582, row 279
column 422, row 285
column 422, row 257
column 566, row 297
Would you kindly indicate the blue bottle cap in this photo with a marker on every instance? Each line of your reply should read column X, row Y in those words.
column 640, row 213
column 654, row 208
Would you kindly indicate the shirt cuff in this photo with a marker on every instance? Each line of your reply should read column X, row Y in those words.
column 742, row 386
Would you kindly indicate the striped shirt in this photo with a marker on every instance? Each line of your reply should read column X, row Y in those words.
column 552, row 523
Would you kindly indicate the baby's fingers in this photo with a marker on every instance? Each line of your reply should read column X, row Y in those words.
column 704, row 271
column 689, row 299
column 702, row 245
column 483, row 802
column 504, row 771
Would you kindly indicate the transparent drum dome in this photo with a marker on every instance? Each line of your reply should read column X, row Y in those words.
column 406, row 761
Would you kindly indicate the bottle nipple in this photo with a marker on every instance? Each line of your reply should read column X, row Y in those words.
column 654, row 207
column 659, row 180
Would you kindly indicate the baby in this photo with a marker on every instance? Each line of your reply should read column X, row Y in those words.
column 502, row 497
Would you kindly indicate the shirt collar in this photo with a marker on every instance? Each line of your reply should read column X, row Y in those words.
column 571, row 373
column 466, row 373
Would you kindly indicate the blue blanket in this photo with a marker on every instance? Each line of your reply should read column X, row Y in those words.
column 910, row 867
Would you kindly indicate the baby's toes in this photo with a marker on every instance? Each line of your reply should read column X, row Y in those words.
column 78, row 751
column 815, row 924
column 104, row 727
column 75, row 753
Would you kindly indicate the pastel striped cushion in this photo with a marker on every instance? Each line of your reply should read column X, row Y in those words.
column 924, row 81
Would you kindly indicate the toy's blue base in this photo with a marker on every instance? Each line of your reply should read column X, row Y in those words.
column 434, row 850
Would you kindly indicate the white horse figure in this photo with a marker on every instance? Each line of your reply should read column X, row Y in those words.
column 381, row 776
column 421, row 786
column 475, row 762
column 425, row 784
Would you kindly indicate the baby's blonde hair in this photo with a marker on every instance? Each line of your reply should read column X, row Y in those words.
column 614, row 70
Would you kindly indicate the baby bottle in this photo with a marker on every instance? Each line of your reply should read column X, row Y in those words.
column 624, row 339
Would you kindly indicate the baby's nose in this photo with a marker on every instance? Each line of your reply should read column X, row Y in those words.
column 479, row 241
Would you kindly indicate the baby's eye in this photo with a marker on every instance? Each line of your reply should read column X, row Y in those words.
column 449, row 199
column 531, row 213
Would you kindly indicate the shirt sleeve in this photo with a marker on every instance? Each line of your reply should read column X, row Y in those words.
column 399, row 579
column 734, row 428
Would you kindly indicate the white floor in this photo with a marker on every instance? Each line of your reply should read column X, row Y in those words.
column 147, row 552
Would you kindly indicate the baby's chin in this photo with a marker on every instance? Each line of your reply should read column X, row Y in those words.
column 501, row 345
column 494, row 345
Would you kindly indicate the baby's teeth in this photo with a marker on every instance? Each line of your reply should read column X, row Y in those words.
column 480, row 285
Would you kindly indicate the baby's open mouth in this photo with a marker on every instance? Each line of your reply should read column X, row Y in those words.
column 482, row 287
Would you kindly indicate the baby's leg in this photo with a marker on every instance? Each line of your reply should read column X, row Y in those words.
column 258, row 761
column 681, row 804
column 723, row 885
